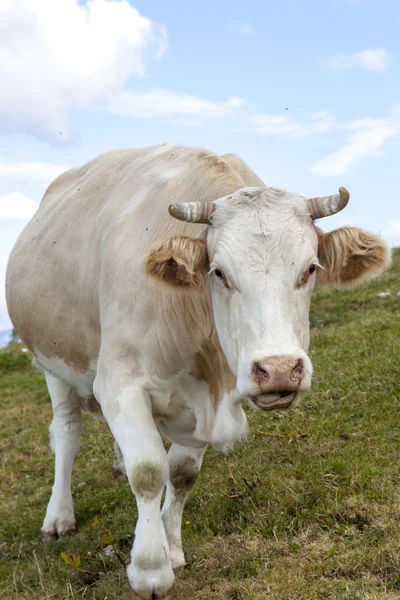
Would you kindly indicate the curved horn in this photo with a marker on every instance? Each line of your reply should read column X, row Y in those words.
column 328, row 205
column 192, row 212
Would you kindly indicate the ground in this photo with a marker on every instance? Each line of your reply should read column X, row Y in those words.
column 308, row 507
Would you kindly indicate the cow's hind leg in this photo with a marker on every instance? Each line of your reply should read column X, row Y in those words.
column 119, row 465
column 184, row 468
column 65, row 433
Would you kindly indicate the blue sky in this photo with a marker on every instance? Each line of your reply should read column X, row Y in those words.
column 306, row 92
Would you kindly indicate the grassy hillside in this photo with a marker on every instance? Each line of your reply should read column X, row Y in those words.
column 307, row 508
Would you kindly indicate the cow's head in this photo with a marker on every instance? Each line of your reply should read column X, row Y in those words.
column 262, row 256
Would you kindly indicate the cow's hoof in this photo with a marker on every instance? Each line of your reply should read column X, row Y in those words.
column 47, row 537
column 150, row 584
column 178, row 561
column 53, row 530
column 134, row 596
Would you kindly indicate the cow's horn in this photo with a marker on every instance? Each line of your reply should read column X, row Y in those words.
column 192, row 212
column 328, row 205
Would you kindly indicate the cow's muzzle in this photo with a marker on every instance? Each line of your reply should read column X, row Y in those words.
column 279, row 374
column 279, row 401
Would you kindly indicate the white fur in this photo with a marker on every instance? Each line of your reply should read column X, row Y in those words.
column 150, row 570
column 129, row 414
column 65, row 434
column 81, row 382
column 230, row 423
column 175, row 501
column 263, row 240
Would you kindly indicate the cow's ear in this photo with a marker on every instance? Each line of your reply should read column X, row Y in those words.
column 179, row 262
column 350, row 256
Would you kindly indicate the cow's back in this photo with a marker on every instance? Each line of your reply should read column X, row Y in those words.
column 53, row 271
column 98, row 219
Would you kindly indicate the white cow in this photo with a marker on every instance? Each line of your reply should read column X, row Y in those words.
column 228, row 323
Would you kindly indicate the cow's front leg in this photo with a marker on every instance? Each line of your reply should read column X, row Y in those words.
column 184, row 468
column 127, row 409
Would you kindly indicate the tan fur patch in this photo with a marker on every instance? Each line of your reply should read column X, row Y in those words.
column 211, row 367
column 43, row 303
column 213, row 162
column 350, row 256
column 147, row 479
column 250, row 178
column 180, row 262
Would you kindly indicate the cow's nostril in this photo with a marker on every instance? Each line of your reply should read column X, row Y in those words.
column 298, row 370
column 258, row 370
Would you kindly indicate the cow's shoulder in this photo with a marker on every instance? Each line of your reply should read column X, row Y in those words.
column 250, row 178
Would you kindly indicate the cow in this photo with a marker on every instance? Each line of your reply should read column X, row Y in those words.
column 160, row 288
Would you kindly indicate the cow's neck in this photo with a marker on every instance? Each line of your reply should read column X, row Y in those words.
column 196, row 350
column 201, row 351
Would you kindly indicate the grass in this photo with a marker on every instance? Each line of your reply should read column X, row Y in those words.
column 307, row 508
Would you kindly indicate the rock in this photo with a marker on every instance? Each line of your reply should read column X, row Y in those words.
column 109, row 551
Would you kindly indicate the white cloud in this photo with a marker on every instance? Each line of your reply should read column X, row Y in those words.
column 163, row 103
column 276, row 125
column 323, row 122
column 392, row 233
column 376, row 60
column 17, row 206
column 189, row 110
column 56, row 55
column 365, row 137
column 30, row 169
column 367, row 141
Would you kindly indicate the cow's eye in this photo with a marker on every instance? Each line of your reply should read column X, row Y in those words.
column 306, row 275
column 221, row 275
column 311, row 269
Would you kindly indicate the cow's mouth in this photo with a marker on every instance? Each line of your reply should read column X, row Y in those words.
column 278, row 401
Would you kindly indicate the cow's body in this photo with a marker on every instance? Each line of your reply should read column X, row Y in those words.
column 113, row 341
column 111, row 211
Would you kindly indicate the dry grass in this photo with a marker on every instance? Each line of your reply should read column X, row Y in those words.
column 307, row 508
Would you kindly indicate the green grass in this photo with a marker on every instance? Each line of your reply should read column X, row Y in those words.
column 308, row 507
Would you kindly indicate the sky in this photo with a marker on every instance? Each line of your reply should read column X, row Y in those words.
column 306, row 92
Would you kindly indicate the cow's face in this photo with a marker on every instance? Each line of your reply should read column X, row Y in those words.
column 261, row 258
